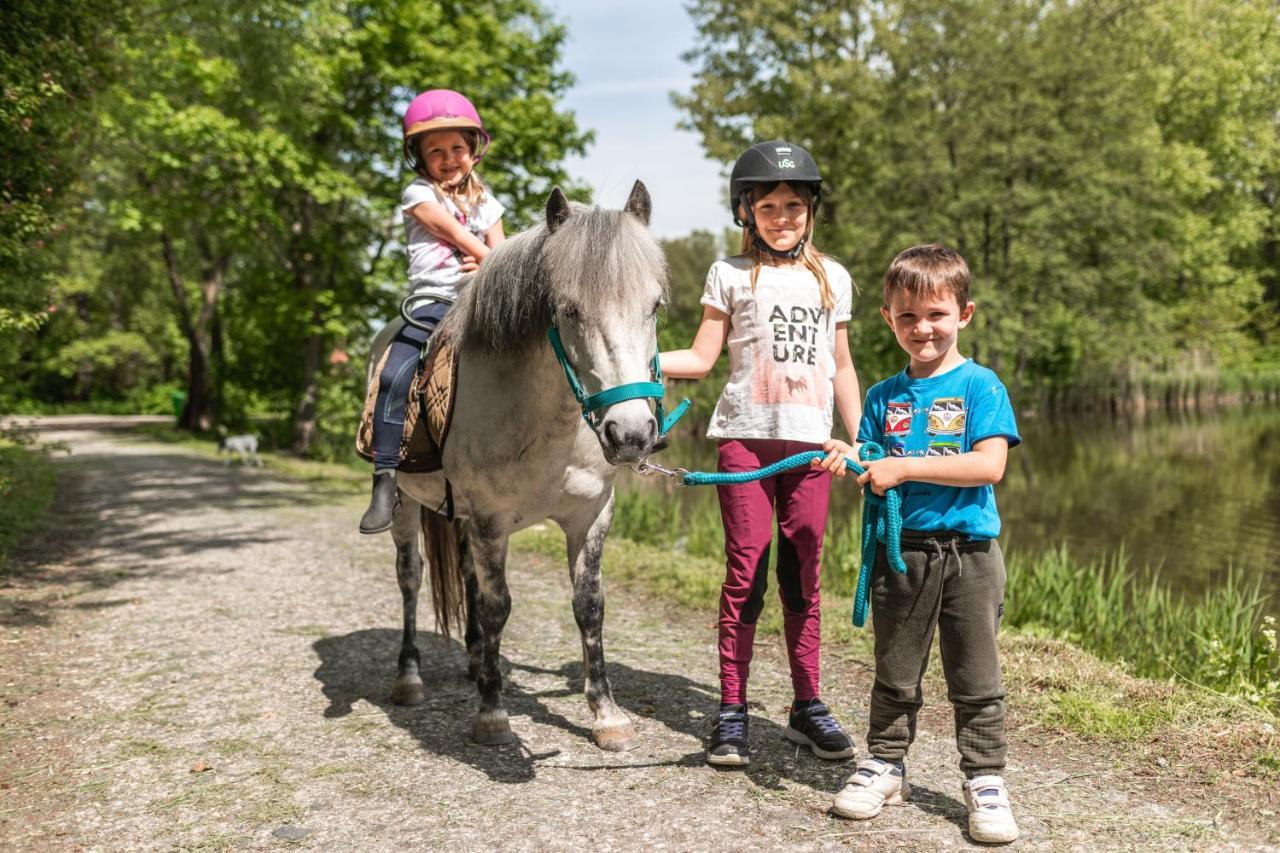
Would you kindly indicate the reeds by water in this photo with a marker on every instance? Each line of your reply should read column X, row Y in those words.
column 1136, row 390
column 1224, row 640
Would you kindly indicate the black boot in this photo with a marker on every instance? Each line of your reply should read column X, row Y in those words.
column 382, row 504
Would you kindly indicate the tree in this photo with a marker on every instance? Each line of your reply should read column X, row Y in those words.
column 1102, row 164
column 54, row 54
column 257, row 144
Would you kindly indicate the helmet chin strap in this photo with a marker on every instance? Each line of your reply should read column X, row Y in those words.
column 462, row 184
column 789, row 255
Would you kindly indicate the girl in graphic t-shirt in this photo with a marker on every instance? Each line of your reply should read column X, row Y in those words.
column 451, row 223
column 782, row 307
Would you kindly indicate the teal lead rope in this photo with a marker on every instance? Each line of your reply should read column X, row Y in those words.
column 881, row 516
column 881, row 522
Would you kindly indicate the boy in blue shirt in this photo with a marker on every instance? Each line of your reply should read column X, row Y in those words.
column 946, row 426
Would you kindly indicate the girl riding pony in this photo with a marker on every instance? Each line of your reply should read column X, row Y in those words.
column 451, row 223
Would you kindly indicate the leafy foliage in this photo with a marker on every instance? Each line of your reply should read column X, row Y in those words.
column 237, row 205
column 1108, row 168
column 52, row 57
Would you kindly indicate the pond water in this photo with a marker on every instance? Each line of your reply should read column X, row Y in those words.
column 1186, row 496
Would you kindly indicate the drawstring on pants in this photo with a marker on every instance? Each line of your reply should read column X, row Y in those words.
column 952, row 547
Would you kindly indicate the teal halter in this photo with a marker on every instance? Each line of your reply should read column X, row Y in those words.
column 592, row 403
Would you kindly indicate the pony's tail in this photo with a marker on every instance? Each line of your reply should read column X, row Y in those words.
column 444, row 558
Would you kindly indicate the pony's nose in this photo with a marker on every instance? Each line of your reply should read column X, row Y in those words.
column 628, row 441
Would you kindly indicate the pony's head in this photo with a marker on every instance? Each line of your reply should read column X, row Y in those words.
column 600, row 277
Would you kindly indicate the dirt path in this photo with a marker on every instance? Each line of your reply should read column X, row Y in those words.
column 199, row 656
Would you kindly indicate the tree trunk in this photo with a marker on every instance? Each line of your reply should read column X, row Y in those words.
column 218, row 358
column 304, row 416
column 196, row 415
column 197, row 411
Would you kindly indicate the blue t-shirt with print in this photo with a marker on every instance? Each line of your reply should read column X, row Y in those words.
column 942, row 416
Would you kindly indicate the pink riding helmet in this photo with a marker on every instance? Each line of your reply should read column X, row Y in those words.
column 444, row 109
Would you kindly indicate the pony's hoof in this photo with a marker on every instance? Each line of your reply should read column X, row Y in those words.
column 408, row 691
column 491, row 728
column 616, row 738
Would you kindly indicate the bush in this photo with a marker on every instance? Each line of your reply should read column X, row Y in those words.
column 26, row 488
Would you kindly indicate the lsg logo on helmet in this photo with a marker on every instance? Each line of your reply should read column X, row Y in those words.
column 784, row 157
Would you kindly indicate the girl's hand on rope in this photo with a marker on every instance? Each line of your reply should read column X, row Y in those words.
column 836, row 451
column 884, row 474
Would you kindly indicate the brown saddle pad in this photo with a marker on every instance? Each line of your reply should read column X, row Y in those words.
column 437, row 386
column 428, row 411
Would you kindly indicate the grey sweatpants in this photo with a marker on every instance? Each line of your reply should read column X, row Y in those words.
column 956, row 586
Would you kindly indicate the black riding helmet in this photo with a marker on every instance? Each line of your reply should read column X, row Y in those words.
column 766, row 163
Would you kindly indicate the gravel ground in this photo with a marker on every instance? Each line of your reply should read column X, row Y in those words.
column 199, row 656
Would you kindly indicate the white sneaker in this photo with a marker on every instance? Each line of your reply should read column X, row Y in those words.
column 874, row 785
column 990, row 817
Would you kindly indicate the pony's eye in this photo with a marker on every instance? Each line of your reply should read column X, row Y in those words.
column 570, row 313
column 657, row 306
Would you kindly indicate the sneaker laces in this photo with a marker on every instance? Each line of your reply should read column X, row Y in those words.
column 731, row 725
column 820, row 716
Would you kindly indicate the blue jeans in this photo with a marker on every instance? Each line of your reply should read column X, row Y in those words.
column 393, row 385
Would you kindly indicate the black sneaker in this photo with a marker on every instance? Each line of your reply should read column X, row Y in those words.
column 813, row 726
column 729, row 738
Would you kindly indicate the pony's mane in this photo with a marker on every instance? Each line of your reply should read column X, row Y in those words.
column 594, row 256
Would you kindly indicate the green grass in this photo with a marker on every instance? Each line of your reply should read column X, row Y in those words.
column 695, row 531
column 1100, row 714
column 26, row 489
column 685, row 579
column 1224, row 641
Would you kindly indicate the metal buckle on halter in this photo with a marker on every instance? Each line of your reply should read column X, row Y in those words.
column 648, row 469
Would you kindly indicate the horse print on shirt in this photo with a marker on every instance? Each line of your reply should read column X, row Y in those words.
column 791, row 365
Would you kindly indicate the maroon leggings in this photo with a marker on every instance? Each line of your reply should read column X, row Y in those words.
column 801, row 496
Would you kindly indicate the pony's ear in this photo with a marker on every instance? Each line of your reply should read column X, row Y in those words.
column 557, row 209
column 638, row 203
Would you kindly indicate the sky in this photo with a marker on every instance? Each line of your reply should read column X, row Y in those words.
column 626, row 58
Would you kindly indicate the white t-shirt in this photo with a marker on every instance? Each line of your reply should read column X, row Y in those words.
column 781, row 349
column 435, row 265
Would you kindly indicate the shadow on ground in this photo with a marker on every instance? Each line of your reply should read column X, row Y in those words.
column 122, row 504
column 362, row 666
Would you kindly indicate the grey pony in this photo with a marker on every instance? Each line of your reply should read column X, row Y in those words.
column 519, row 451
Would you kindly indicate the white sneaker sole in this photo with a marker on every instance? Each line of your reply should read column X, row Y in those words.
column 796, row 736
column 730, row 760
column 1003, row 836
column 897, row 798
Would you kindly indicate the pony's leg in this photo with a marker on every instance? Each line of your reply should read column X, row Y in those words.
column 405, row 529
column 612, row 729
column 473, row 634
column 486, row 558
